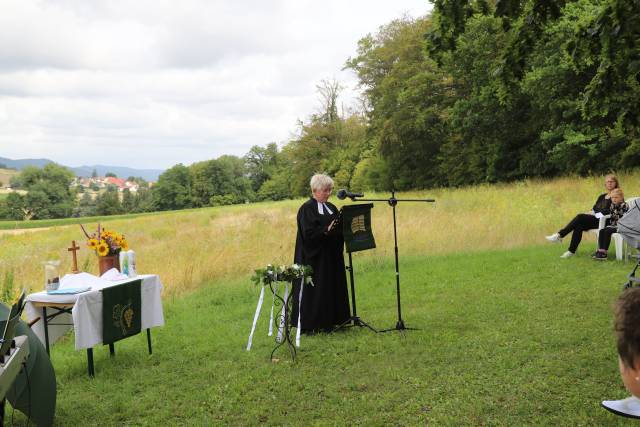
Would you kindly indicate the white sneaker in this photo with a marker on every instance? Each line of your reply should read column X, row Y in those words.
column 629, row 407
column 554, row 238
column 567, row 254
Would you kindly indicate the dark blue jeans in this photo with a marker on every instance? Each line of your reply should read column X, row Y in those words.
column 604, row 237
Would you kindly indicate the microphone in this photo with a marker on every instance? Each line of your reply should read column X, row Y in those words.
column 343, row 194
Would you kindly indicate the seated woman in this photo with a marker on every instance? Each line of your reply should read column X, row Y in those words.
column 319, row 243
column 627, row 328
column 586, row 221
column 618, row 208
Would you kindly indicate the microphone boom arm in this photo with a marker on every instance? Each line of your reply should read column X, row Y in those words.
column 392, row 201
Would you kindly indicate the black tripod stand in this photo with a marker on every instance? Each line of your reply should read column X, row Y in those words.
column 354, row 318
column 393, row 202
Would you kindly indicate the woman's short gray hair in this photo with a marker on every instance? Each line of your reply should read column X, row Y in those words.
column 320, row 181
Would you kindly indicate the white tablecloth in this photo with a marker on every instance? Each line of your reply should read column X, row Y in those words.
column 86, row 314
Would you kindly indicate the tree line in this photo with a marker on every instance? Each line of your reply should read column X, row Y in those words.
column 485, row 91
column 476, row 92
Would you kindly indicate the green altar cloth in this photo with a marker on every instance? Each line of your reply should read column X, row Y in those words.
column 121, row 311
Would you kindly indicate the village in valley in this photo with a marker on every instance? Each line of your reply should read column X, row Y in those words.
column 93, row 185
column 97, row 184
column 56, row 192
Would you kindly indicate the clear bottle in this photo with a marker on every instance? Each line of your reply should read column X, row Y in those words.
column 131, row 257
column 124, row 262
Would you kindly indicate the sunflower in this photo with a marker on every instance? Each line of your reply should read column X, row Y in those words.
column 124, row 245
column 103, row 248
column 93, row 244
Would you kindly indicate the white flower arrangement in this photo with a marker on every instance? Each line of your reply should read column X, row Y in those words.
column 283, row 273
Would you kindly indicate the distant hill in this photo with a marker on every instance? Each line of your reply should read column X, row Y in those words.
column 21, row 163
column 86, row 171
column 120, row 171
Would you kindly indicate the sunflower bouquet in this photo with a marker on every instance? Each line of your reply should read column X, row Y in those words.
column 106, row 242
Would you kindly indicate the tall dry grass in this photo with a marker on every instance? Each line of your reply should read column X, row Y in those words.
column 190, row 248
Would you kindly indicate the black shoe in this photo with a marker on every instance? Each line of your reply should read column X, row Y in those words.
column 600, row 256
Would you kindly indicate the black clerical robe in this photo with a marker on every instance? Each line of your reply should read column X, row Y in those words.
column 326, row 304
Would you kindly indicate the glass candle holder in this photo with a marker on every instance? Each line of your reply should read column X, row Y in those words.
column 51, row 275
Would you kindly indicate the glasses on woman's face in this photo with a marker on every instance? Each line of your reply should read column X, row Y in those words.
column 323, row 193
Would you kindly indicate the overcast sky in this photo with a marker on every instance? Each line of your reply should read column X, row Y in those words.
column 153, row 83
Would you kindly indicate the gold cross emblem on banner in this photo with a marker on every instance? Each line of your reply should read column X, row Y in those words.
column 357, row 224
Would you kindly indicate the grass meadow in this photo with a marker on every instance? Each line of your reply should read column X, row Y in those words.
column 507, row 337
column 508, row 333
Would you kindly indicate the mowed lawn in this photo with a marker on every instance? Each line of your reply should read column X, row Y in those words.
column 504, row 337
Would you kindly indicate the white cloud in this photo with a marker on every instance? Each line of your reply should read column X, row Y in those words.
column 153, row 83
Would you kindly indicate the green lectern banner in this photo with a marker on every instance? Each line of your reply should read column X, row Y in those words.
column 356, row 227
column 120, row 311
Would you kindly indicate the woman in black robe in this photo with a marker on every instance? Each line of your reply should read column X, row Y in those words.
column 319, row 243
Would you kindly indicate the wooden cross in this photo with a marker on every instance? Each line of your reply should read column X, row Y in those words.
column 73, row 249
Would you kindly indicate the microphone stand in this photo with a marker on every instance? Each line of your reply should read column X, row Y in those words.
column 392, row 201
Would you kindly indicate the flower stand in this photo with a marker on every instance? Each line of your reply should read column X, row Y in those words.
column 270, row 277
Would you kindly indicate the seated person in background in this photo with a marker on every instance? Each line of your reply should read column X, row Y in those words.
column 627, row 328
column 586, row 221
column 618, row 208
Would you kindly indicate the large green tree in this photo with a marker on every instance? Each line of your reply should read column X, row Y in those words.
column 173, row 189
column 48, row 193
column 108, row 203
column 220, row 181
column 406, row 96
column 261, row 163
column 565, row 75
column 328, row 142
column 606, row 45
column 491, row 137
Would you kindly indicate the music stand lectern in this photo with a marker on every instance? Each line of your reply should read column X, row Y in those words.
column 356, row 229
column 392, row 201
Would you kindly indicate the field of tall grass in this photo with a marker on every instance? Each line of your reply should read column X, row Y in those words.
column 187, row 248
column 508, row 333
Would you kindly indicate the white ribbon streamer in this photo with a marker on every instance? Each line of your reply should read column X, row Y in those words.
column 299, row 311
column 273, row 303
column 282, row 314
column 255, row 318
